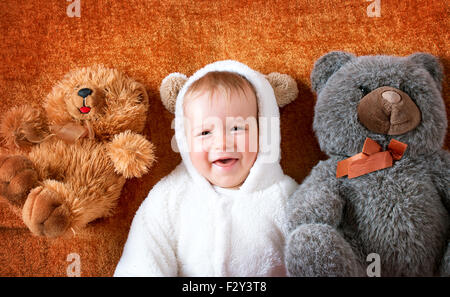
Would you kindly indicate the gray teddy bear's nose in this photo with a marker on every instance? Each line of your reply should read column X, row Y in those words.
column 84, row 92
column 391, row 96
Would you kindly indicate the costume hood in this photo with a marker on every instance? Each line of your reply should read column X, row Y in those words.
column 272, row 91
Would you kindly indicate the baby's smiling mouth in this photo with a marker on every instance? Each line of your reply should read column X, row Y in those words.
column 225, row 162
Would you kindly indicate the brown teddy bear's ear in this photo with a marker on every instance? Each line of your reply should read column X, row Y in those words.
column 284, row 87
column 169, row 89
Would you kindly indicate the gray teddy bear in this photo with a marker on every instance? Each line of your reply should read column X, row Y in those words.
column 384, row 191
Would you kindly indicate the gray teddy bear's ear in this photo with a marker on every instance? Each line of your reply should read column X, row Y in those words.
column 431, row 64
column 169, row 89
column 325, row 66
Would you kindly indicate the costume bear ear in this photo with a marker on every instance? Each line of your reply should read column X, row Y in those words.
column 431, row 64
column 325, row 66
column 169, row 89
column 284, row 87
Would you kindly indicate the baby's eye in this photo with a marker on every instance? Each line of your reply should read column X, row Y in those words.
column 204, row 133
column 237, row 128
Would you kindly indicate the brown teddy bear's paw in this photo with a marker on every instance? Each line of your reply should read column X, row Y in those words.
column 22, row 127
column 17, row 178
column 44, row 213
column 131, row 153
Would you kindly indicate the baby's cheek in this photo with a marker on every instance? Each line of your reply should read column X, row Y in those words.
column 198, row 145
column 251, row 143
column 199, row 160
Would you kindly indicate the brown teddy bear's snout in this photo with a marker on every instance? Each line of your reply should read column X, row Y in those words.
column 84, row 93
column 86, row 101
column 387, row 110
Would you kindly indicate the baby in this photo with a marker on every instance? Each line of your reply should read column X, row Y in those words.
column 222, row 130
column 221, row 211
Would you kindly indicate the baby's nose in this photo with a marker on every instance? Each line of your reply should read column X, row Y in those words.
column 224, row 142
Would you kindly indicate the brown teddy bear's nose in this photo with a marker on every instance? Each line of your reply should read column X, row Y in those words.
column 387, row 110
column 84, row 92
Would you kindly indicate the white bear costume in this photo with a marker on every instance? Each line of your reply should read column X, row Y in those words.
column 188, row 227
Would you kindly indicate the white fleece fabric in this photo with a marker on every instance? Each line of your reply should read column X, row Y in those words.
column 188, row 227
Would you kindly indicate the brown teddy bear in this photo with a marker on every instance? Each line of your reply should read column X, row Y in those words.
column 66, row 166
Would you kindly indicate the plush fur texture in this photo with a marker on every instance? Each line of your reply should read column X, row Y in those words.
column 401, row 212
column 62, row 186
column 170, row 86
column 284, row 87
column 188, row 227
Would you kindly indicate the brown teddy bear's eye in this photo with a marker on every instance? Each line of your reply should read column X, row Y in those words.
column 140, row 97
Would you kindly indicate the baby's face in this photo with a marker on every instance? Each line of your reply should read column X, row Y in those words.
column 222, row 134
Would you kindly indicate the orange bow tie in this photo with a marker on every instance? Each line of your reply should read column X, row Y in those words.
column 371, row 159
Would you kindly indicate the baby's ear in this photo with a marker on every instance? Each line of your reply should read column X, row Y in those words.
column 169, row 89
column 284, row 87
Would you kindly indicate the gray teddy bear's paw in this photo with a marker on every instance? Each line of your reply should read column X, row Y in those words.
column 319, row 250
column 445, row 266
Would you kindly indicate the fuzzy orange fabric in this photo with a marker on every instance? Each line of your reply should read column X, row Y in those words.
column 150, row 39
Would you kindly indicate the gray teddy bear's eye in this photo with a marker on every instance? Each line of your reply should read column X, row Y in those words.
column 364, row 90
column 404, row 88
